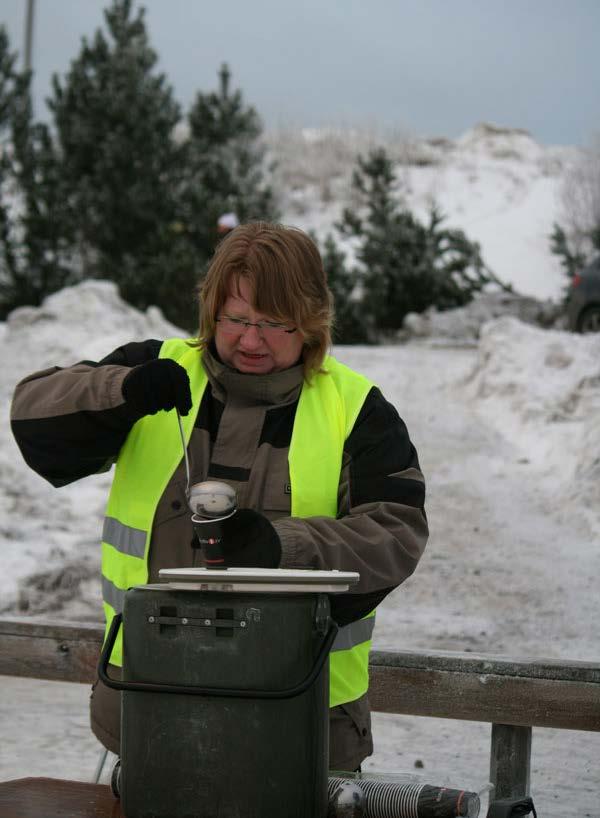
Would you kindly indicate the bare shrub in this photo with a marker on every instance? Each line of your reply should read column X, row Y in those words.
column 323, row 158
column 580, row 200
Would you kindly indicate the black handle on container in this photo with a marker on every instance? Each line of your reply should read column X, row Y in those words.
column 153, row 687
column 511, row 808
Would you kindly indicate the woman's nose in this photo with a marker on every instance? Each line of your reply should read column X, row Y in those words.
column 251, row 337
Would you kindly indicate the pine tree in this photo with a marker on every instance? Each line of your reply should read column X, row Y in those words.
column 114, row 116
column 225, row 168
column 455, row 265
column 34, row 258
column 406, row 266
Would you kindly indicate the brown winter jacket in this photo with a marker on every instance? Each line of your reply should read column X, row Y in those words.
column 72, row 422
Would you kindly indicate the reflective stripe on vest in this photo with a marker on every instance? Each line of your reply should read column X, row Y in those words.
column 124, row 538
column 327, row 411
column 354, row 634
column 113, row 596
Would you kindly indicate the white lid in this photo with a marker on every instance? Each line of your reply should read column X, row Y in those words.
column 271, row 580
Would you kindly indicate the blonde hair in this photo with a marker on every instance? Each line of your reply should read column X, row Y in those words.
column 285, row 270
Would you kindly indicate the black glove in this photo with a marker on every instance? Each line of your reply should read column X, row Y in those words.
column 250, row 541
column 158, row 384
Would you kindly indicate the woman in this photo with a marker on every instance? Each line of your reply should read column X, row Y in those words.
column 325, row 473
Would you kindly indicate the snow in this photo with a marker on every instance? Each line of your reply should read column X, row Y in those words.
column 510, row 215
column 525, row 380
column 508, row 433
column 497, row 184
column 464, row 324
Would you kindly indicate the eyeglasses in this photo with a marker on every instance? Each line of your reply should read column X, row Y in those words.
column 266, row 329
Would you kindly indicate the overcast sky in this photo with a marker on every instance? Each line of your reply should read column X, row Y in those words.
column 428, row 67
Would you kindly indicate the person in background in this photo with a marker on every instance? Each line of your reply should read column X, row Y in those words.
column 324, row 470
column 226, row 223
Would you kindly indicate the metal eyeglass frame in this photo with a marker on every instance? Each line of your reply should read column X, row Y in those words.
column 260, row 325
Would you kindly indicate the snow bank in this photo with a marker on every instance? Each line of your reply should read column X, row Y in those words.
column 503, row 189
column 464, row 323
column 497, row 184
column 77, row 323
column 49, row 536
column 541, row 389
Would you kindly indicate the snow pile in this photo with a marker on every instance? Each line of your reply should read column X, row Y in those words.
column 541, row 390
column 77, row 323
column 502, row 189
column 50, row 537
column 497, row 184
column 464, row 323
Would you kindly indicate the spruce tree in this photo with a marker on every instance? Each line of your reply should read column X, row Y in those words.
column 114, row 115
column 225, row 167
column 405, row 265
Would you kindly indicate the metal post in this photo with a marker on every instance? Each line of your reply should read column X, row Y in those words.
column 100, row 765
column 510, row 761
column 27, row 50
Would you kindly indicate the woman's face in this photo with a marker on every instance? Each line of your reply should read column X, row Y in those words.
column 249, row 349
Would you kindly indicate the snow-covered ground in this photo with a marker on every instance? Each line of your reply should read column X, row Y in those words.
column 508, row 432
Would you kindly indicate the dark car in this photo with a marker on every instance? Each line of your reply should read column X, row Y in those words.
column 583, row 305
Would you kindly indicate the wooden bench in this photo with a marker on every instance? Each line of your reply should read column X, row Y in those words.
column 52, row 798
column 513, row 695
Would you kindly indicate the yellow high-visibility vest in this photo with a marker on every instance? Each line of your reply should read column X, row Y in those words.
column 326, row 413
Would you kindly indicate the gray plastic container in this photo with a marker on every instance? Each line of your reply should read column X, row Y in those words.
column 225, row 698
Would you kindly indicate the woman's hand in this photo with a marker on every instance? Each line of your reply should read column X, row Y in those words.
column 250, row 541
column 156, row 385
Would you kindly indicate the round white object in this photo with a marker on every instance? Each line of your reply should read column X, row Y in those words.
column 212, row 498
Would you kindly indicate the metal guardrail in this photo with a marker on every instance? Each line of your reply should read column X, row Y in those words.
column 513, row 695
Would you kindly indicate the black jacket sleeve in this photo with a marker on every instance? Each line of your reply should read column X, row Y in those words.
column 71, row 422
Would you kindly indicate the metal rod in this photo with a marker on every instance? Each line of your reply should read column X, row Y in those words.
column 100, row 765
column 185, row 455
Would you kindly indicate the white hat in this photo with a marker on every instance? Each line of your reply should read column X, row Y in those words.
column 227, row 221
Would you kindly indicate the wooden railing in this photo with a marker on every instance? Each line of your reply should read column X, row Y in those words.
column 513, row 695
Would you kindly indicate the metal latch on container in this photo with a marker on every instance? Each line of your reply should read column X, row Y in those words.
column 198, row 622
